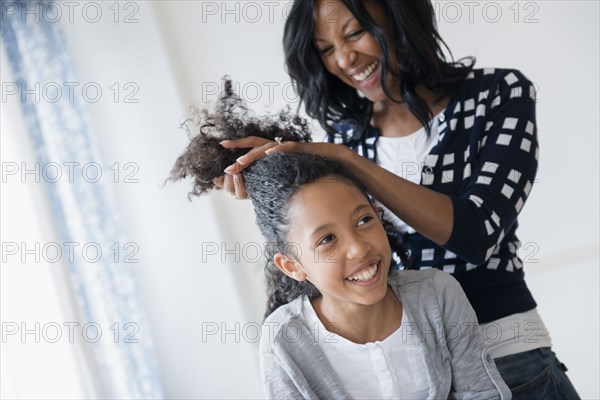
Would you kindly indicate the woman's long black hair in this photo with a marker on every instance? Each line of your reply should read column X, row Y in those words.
column 270, row 182
column 417, row 46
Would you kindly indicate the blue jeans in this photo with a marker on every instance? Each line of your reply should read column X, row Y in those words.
column 536, row 374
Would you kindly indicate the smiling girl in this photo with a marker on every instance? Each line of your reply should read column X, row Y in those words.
column 338, row 323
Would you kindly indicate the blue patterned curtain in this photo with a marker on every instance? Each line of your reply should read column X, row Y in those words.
column 84, row 212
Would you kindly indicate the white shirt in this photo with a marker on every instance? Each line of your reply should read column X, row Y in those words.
column 388, row 369
column 404, row 156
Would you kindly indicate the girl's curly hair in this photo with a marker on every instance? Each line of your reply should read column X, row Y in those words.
column 205, row 159
column 270, row 182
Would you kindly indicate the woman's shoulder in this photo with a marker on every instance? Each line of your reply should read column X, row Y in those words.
column 494, row 76
column 489, row 87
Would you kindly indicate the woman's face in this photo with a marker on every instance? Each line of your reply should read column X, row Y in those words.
column 347, row 50
column 340, row 243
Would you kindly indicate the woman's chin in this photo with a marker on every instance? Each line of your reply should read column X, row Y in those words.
column 373, row 96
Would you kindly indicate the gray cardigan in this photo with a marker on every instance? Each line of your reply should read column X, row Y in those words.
column 458, row 365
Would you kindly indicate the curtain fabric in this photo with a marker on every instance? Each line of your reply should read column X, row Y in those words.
column 85, row 215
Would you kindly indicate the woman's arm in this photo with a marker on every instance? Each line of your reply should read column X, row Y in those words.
column 428, row 212
column 472, row 224
column 502, row 160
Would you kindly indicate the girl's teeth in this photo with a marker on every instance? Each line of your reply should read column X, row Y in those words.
column 366, row 275
column 366, row 73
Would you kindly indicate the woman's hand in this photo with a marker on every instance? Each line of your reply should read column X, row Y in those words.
column 332, row 151
column 233, row 182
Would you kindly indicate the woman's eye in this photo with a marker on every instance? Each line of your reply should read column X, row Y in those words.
column 327, row 239
column 356, row 34
column 324, row 51
column 365, row 219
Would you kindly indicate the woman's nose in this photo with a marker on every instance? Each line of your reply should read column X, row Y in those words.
column 346, row 58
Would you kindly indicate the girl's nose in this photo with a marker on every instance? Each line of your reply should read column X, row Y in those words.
column 357, row 248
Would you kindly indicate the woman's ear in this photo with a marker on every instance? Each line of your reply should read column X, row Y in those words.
column 291, row 268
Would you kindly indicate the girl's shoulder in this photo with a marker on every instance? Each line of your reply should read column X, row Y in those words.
column 412, row 276
column 286, row 313
column 284, row 321
column 424, row 285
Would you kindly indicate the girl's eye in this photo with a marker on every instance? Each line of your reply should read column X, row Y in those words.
column 365, row 219
column 327, row 239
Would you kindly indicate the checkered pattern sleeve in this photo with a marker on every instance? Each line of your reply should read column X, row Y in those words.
column 503, row 160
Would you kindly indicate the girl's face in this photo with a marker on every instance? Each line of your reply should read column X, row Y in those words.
column 347, row 50
column 340, row 243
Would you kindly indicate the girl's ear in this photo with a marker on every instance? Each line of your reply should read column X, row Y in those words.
column 291, row 268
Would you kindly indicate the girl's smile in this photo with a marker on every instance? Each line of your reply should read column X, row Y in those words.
column 344, row 251
column 366, row 275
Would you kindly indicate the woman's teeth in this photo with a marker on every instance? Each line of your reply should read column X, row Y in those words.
column 366, row 73
column 366, row 275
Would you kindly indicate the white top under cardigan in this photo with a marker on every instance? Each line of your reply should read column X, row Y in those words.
column 389, row 369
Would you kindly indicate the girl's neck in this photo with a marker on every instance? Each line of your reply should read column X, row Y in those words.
column 358, row 323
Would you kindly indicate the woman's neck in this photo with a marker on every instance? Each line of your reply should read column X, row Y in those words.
column 394, row 119
column 359, row 323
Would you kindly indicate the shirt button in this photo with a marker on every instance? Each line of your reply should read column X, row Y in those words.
column 442, row 118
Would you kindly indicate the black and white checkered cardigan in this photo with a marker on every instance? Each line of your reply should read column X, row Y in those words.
column 486, row 160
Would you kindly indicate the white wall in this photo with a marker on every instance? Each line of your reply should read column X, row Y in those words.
column 178, row 49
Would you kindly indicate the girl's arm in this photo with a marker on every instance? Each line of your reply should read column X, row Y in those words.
column 474, row 373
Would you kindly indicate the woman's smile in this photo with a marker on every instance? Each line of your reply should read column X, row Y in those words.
column 368, row 77
column 347, row 50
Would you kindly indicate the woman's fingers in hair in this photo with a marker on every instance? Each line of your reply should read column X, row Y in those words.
column 251, row 156
column 229, row 185
column 240, row 188
column 337, row 152
column 244, row 143
column 234, row 185
column 286, row 147
column 219, row 181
